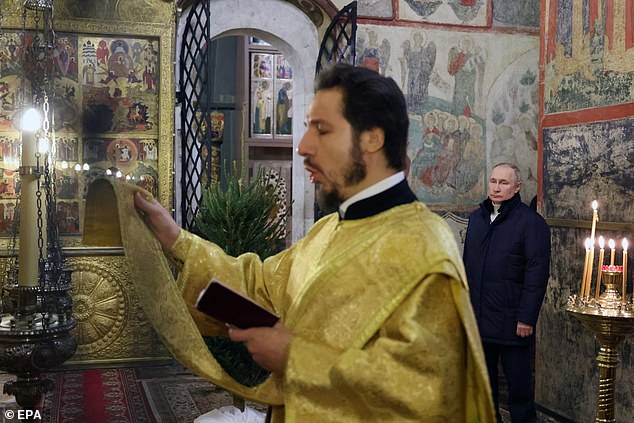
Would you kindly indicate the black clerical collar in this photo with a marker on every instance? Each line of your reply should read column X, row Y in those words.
column 396, row 195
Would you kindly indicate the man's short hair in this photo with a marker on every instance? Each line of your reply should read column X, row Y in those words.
column 371, row 101
column 516, row 170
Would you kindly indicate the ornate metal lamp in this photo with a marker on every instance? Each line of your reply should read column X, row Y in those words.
column 36, row 311
column 609, row 315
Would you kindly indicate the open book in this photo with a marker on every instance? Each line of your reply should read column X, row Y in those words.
column 229, row 306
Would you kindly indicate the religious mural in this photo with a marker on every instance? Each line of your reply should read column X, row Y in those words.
column 589, row 54
column 589, row 162
column 375, row 8
column 106, row 114
column 516, row 13
column 459, row 12
column 451, row 96
column 271, row 95
column 512, row 110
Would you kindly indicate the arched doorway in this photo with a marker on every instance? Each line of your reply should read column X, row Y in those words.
column 295, row 35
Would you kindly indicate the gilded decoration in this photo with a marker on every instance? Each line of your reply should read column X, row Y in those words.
column 114, row 93
column 115, row 10
column 114, row 101
column 110, row 320
column 100, row 305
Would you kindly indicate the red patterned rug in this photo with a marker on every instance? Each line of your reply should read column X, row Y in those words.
column 145, row 394
column 96, row 396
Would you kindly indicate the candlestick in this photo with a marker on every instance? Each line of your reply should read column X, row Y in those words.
column 585, row 268
column 612, row 246
column 600, row 269
column 624, row 288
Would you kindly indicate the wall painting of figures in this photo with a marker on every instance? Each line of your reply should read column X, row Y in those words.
column 106, row 113
column 589, row 60
column 448, row 86
column 512, row 110
column 457, row 12
column 589, row 162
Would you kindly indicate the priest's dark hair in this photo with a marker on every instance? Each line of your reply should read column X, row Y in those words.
column 371, row 101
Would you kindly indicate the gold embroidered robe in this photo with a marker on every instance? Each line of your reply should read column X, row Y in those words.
column 383, row 327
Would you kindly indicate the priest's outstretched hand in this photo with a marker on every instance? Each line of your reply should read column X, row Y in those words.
column 160, row 221
column 267, row 346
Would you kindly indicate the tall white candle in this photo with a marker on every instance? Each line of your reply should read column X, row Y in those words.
column 600, row 269
column 28, row 255
column 586, row 262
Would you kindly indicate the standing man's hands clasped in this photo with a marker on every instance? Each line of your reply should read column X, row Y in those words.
column 160, row 221
column 267, row 346
column 524, row 330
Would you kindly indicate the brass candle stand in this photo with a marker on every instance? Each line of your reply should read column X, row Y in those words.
column 610, row 317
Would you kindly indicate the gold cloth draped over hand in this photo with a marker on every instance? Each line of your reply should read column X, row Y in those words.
column 382, row 322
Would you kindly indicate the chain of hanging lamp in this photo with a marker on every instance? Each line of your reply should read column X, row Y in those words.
column 36, row 315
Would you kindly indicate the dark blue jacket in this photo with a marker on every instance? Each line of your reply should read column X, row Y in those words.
column 508, row 264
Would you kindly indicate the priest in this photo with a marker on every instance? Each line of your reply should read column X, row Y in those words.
column 375, row 318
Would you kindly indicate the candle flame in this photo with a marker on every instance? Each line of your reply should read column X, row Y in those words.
column 595, row 205
column 31, row 120
column 601, row 242
column 588, row 243
column 612, row 244
column 625, row 244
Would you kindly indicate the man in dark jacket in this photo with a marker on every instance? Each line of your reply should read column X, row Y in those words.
column 507, row 259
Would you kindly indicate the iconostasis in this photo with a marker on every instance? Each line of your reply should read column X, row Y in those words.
column 113, row 106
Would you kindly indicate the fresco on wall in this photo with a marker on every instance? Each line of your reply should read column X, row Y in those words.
column 512, row 111
column 590, row 162
column 516, row 13
column 447, row 147
column 375, row 8
column 370, row 54
column 447, row 80
column 459, row 12
column 589, row 54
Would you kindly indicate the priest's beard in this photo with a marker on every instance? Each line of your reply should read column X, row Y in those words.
column 356, row 171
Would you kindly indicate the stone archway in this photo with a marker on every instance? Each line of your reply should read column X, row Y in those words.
column 295, row 35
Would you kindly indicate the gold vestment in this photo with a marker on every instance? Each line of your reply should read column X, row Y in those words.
column 382, row 321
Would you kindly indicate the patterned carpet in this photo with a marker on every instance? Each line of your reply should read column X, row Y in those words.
column 143, row 394
column 147, row 394
column 182, row 400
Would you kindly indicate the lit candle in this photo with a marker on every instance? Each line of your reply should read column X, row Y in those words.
column 600, row 270
column 624, row 289
column 585, row 268
column 28, row 254
column 595, row 218
column 612, row 245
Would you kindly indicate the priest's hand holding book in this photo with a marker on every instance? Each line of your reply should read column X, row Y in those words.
column 264, row 336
